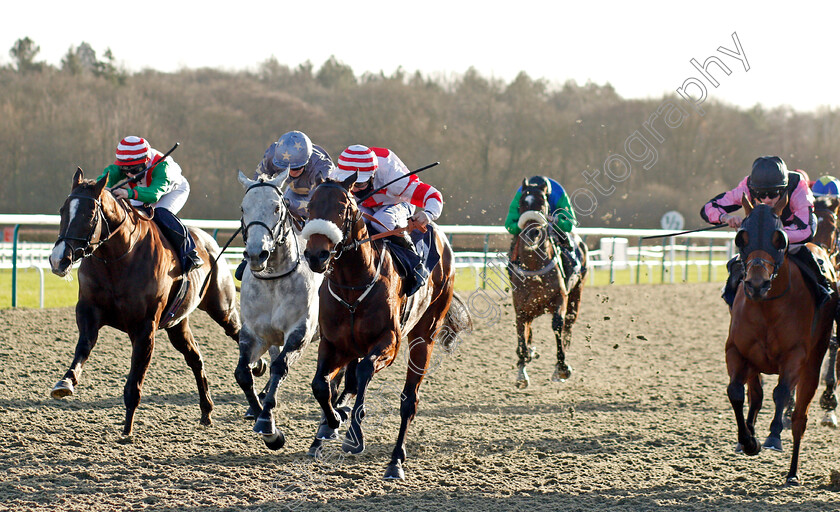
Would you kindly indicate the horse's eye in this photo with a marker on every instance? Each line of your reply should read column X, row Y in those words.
column 277, row 209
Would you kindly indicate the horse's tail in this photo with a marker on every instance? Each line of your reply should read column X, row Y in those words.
column 456, row 321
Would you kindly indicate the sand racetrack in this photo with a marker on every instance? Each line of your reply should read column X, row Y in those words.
column 643, row 424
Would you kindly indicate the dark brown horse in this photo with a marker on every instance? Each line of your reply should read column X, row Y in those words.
column 540, row 283
column 131, row 282
column 364, row 315
column 826, row 209
column 775, row 328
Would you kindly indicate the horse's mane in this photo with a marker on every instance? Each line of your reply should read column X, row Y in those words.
column 828, row 203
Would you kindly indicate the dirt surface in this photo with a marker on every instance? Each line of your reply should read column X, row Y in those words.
column 643, row 424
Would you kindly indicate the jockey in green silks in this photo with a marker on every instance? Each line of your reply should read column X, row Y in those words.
column 561, row 215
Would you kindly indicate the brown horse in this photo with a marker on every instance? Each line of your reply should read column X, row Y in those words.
column 826, row 209
column 131, row 282
column 775, row 328
column 541, row 285
column 364, row 315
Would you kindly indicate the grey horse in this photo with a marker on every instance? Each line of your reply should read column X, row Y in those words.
column 279, row 299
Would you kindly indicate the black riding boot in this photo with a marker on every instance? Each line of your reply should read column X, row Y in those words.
column 824, row 288
column 179, row 236
column 736, row 274
column 417, row 273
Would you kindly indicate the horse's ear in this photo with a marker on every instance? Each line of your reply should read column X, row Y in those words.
column 246, row 182
column 348, row 183
column 779, row 239
column 524, row 182
column 78, row 177
column 97, row 190
column 742, row 238
column 780, row 205
column 748, row 206
column 280, row 178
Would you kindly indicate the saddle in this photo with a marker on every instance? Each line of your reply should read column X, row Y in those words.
column 424, row 243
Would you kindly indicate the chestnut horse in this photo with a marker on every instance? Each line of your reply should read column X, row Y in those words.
column 131, row 282
column 540, row 284
column 775, row 328
column 364, row 314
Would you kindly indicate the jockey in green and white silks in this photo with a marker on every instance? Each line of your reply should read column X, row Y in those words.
column 561, row 216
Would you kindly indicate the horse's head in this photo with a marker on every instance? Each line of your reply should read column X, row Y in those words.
column 332, row 216
column 762, row 244
column 83, row 225
column 826, row 208
column 533, row 210
column 264, row 216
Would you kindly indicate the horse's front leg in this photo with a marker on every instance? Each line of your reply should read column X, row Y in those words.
column 182, row 339
column 562, row 371
column 293, row 346
column 142, row 346
column 736, row 366
column 523, row 350
column 781, row 398
column 354, row 442
column 809, row 375
column 572, row 310
column 327, row 369
column 88, row 320
column 251, row 349
column 348, row 374
column 828, row 401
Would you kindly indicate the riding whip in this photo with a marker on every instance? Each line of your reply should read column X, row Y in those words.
column 142, row 173
column 369, row 194
column 716, row 226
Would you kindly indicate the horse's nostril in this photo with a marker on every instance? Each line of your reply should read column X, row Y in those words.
column 264, row 255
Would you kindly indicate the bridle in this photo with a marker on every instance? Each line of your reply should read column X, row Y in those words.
column 90, row 246
column 278, row 232
column 553, row 262
column 348, row 241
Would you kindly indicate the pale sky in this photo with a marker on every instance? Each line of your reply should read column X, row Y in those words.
column 642, row 48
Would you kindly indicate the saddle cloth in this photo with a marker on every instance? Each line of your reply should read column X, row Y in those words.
column 425, row 245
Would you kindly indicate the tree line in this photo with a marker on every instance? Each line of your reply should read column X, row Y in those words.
column 487, row 133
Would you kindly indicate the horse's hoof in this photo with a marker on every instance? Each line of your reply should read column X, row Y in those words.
column 325, row 433
column 251, row 414
column 773, row 443
column 354, row 441
column 561, row 373
column 522, row 380
column 265, row 426
column 259, row 368
column 739, row 448
column 62, row 388
column 753, row 448
column 793, row 481
column 206, row 421
column 275, row 441
column 829, row 420
column 315, row 448
column 532, row 353
column 394, row 471
column 828, row 401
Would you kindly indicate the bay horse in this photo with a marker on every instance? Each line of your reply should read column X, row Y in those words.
column 279, row 298
column 775, row 328
column 827, row 209
column 539, row 282
column 364, row 315
column 129, row 279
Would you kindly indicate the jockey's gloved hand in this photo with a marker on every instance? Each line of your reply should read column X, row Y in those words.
column 421, row 217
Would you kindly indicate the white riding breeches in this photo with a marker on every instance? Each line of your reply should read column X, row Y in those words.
column 392, row 216
column 173, row 200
